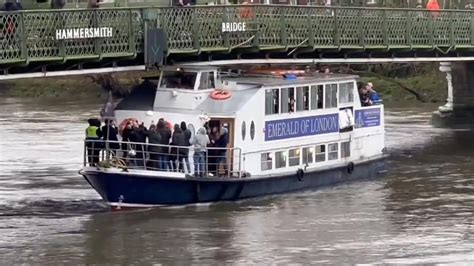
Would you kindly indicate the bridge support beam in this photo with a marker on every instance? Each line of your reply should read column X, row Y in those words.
column 459, row 108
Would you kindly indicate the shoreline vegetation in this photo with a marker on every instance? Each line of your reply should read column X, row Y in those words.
column 395, row 82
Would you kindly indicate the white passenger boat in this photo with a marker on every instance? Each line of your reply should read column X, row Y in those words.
column 286, row 131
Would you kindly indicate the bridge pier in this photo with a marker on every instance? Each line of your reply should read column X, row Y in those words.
column 459, row 108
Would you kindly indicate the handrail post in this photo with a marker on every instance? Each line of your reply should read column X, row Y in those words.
column 85, row 153
column 143, row 156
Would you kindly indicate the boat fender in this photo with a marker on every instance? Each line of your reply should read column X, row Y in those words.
column 220, row 94
column 350, row 167
column 300, row 174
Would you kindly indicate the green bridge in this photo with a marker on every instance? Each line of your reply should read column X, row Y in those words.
column 82, row 38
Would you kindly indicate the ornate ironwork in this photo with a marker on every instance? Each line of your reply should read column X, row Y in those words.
column 28, row 36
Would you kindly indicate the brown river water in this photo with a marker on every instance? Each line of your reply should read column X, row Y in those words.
column 421, row 211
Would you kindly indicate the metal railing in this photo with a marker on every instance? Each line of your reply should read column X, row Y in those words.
column 28, row 36
column 205, row 162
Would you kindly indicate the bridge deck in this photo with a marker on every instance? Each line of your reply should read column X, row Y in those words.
column 35, row 39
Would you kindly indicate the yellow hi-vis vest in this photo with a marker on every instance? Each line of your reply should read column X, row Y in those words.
column 91, row 132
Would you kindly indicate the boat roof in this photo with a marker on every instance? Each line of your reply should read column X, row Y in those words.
column 269, row 81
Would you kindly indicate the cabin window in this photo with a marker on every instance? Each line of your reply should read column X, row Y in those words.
column 207, row 81
column 280, row 159
column 252, row 130
column 302, row 98
column 294, row 157
column 287, row 100
column 333, row 151
column 331, row 96
column 243, row 130
column 346, row 92
column 178, row 80
column 345, row 149
column 317, row 94
column 266, row 160
column 308, row 155
column 320, row 153
column 272, row 101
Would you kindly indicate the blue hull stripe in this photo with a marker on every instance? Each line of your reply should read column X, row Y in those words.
column 142, row 190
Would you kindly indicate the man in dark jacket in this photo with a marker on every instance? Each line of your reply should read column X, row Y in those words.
column 177, row 153
column 109, row 133
column 163, row 151
column 187, row 143
column 154, row 138
column 222, row 153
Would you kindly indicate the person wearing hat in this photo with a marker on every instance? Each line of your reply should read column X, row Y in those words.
column 373, row 95
column 93, row 135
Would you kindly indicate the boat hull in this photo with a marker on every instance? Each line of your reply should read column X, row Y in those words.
column 128, row 190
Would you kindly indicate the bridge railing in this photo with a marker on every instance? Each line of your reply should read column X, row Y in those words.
column 81, row 34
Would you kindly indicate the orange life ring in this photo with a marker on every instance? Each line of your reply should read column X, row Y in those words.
column 220, row 94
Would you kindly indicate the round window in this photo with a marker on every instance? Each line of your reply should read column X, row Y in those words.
column 252, row 130
column 243, row 130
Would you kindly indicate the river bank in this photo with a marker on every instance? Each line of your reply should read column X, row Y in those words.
column 429, row 86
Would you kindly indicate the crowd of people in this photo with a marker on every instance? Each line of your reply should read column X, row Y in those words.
column 160, row 147
column 368, row 96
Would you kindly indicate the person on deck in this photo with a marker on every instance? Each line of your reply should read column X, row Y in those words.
column 373, row 95
column 222, row 142
column 109, row 133
column 93, row 135
column 154, row 151
column 187, row 139
column 177, row 154
column 200, row 142
column 165, row 136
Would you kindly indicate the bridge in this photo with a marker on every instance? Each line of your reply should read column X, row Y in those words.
column 60, row 42
column 42, row 41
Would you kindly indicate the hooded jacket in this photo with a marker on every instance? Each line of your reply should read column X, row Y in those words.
column 200, row 140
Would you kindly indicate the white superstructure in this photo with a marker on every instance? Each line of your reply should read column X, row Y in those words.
column 327, row 126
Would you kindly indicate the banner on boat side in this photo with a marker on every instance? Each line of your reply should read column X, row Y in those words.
column 301, row 127
column 84, row 33
column 367, row 118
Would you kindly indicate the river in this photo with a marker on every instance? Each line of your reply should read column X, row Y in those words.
column 420, row 212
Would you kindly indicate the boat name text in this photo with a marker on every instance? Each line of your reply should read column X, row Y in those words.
column 302, row 126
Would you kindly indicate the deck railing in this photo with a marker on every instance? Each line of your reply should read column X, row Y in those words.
column 28, row 36
column 218, row 162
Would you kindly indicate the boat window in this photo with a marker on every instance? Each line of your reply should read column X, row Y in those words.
column 243, row 130
column 346, row 92
column 317, row 93
column 345, row 149
column 302, row 98
column 178, row 80
column 252, row 130
column 294, row 157
column 308, row 155
column 272, row 101
column 207, row 81
column 333, row 151
column 321, row 153
column 287, row 100
column 331, row 96
column 280, row 159
column 266, row 160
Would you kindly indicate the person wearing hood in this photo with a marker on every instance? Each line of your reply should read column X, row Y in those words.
column 187, row 143
column 200, row 142
column 177, row 153
column 154, row 138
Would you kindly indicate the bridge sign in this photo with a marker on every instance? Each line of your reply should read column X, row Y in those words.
column 233, row 26
column 84, row 33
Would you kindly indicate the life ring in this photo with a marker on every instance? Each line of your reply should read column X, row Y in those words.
column 300, row 174
column 220, row 94
column 350, row 167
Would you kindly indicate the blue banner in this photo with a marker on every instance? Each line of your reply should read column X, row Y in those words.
column 301, row 127
column 367, row 118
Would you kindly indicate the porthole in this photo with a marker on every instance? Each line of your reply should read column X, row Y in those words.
column 252, row 130
column 243, row 130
